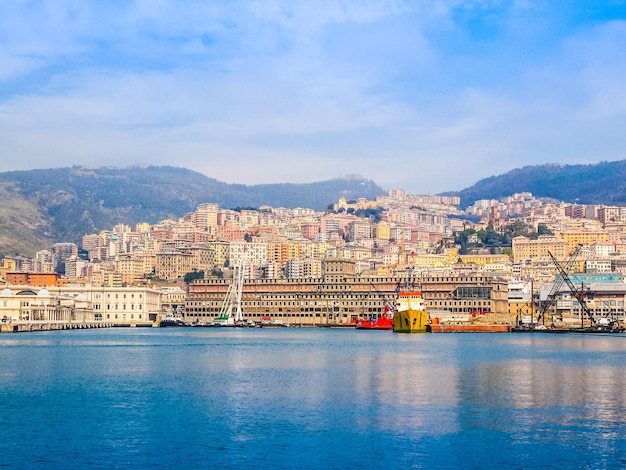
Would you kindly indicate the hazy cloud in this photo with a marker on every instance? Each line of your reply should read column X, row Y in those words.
column 425, row 95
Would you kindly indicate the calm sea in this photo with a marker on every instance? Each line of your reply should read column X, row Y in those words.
column 310, row 398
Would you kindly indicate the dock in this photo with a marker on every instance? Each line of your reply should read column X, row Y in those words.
column 46, row 325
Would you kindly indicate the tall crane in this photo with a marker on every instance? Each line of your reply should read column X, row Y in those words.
column 578, row 293
column 558, row 283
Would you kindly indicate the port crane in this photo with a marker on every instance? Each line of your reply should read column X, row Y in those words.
column 558, row 283
column 578, row 293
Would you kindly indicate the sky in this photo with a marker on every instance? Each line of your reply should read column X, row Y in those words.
column 424, row 95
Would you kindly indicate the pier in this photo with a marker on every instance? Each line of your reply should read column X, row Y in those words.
column 45, row 325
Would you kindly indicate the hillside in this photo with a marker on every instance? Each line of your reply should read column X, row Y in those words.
column 41, row 207
column 601, row 183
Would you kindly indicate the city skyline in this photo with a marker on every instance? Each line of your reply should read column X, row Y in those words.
column 427, row 96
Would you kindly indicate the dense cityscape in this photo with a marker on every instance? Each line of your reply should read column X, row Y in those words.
column 138, row 276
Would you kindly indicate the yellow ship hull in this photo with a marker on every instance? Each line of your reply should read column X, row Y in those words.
column 410, row 321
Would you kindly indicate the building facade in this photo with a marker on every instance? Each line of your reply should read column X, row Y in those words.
column 341, row 297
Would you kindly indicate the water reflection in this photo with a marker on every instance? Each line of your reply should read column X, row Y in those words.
column 312, row 398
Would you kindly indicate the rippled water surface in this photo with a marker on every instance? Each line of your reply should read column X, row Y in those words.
column 310, row 398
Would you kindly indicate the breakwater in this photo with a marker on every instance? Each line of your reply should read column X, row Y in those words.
column 44, row 325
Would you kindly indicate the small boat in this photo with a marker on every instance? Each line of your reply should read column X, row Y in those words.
column 171, row 320
column 384, row 322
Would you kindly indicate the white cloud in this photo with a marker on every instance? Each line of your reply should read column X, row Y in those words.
column 270, row 91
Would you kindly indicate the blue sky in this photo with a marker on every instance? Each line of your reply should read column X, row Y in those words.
column 428, row 96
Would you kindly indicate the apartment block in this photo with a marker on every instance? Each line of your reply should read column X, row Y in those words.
column 525, row 249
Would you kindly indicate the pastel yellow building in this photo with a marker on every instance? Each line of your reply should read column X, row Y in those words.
column 525, row 249
column 582, row 237
column 483, row 260
column 383, row 231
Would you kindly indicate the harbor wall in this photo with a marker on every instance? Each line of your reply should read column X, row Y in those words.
column 28, row 326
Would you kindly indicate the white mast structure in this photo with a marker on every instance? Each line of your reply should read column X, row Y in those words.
column 231, row 313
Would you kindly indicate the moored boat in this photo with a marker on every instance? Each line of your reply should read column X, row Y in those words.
column 384, row 322
column 410, row 316
column 468, row 328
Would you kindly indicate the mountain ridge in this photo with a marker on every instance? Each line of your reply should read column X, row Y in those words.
column 40, row 207
column 596, row 183
column 44, row 206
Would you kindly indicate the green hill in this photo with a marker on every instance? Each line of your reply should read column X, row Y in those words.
column 601, row 183
column 41, row 207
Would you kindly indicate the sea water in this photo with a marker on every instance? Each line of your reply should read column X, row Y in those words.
column 310, row 398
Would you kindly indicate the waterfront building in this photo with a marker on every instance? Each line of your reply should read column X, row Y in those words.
column 29, row 304
column 341, row 296
column 520, row 298
column 120, row 306
column 173, row 301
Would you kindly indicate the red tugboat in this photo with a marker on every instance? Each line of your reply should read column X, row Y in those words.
column 384, row 322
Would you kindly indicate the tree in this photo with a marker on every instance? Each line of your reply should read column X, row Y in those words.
column 542, row 229
column 192, row 276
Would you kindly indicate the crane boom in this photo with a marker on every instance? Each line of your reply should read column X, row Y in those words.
column 578, row 293
column 558, row 283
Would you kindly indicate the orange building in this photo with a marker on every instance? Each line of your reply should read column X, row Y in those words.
column 35, row 279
